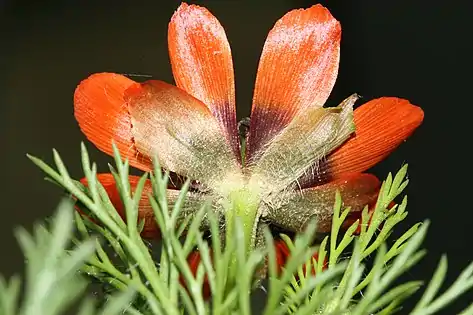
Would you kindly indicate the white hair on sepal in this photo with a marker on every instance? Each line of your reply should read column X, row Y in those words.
column 299, row 148
column 340, row 136
column 311, row 172
column 198, row 146
column 263, row 149
column 289, row 154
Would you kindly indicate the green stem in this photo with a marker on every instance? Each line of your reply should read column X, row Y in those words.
column 244, row 205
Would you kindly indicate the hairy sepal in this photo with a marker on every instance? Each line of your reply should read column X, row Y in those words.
column 181, row 131
column 304, row 142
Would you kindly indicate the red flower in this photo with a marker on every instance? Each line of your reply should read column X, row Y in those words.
column 298, row 153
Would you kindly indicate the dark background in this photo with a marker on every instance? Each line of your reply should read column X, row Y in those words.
column 419, row 50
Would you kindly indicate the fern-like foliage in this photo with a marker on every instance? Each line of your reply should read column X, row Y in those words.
column 112, row 252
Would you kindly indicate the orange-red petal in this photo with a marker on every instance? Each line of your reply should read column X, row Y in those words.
column 381, row 126
column 283, row 253
column 103, row 116
column 194, row 260
column 181, row 131
column 297, row 70
column 202, row 64
column 192, row 203
column 145, row 211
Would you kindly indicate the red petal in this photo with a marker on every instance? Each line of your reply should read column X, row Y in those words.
column 381, row 126
column 282, row 253
column 194, row 260
column 282, row 256
column 202, row 64
column 297, row 71
column 145, row 211
column 103, row 116
column 181, row 131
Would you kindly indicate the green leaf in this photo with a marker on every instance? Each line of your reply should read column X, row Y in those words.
column 113, row 252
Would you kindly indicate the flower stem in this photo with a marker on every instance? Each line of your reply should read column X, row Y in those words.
column 243, row 205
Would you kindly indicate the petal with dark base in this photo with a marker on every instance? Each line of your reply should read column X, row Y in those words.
column 181, row 131
column 381, row 125
column 297, row 208
column 202, row 64
column 104, row 117
column 297, row 71
column 145, row 211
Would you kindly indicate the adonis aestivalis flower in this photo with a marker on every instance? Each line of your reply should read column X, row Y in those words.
column 297, row 153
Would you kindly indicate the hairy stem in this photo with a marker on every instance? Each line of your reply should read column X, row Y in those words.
column 243, row 205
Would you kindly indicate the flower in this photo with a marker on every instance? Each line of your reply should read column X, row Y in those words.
column 297, row 154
